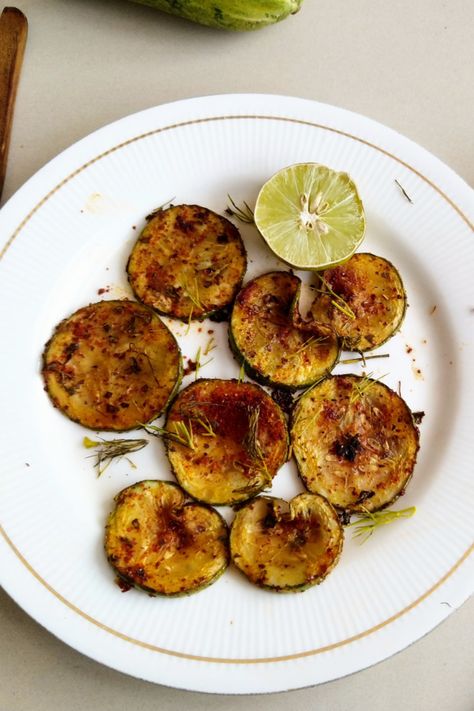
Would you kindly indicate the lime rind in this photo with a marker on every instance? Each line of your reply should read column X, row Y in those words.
column 310, row 216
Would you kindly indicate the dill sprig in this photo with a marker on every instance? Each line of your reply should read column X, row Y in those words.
column 346, row 310
column 193, row 297
column 363, row 358
column 312, row 341
column 261, row 476
column 200, row 365
column 190, row 318
column 107, row 450
column 210, row 345
column 359, row 389
column 205, row 424
column 244, row 214
column 182, row 434
column 253, row 446
column 202, row 420
column 250, row 442
column 369, row 521
column 154, row 212
column 337, row 301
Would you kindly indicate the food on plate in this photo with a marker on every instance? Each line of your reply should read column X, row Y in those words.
column 355, row 442
column 311, row 216
column 229, row 14
column 286, row 546
column 187, row 263
column 273, row 346
column 159, row 541
column 112, row 365
column 362, row 299
column 225, row 440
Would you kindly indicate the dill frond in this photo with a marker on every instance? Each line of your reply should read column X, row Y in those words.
column 244, row 214
column 182, row 434
column 369, row 521
column 107, row 450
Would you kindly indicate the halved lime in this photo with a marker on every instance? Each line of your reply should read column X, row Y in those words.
column 310, row 216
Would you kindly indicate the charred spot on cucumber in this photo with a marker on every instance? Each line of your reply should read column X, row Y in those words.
column 363, row 299
column 159, row 541
column 274, row 348
column 286, row 547
column 112, row 365
column 187, row 263
column 355, row 442
column 226, row 440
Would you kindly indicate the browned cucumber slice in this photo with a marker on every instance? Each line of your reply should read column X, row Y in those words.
column 226, row 440
column 355, row 442
column 363, row 299
column 161, row 542
column 187, row 263
column 112, row 365
column 286, row 547
column 274, row 348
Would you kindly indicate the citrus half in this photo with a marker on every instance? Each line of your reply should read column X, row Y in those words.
column 310, row 216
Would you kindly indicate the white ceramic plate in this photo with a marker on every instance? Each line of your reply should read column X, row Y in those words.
column 67, row 234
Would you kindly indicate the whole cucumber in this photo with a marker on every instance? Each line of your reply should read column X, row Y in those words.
column 229, row 14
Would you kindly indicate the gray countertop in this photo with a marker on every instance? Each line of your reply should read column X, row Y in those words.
column 89, row 62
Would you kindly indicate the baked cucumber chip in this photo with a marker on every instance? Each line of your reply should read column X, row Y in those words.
column 363, row 300
column 286, row 547
column 225, row 440
column 112, row 365
column 159, row 541
column 355, row 442
column 274, row 347
column 187, row 263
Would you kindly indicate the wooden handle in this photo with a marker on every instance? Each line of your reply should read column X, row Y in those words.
column 13, row 32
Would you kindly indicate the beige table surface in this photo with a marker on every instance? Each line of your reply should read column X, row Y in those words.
column 88, row 62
